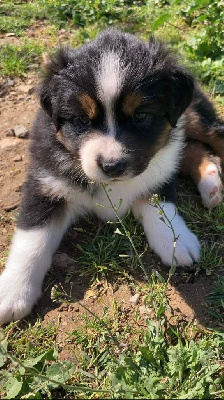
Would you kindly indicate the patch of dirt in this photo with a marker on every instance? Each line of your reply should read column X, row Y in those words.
column 186, row 298
column 69, row 316
column 17, row 108
column 39, row 31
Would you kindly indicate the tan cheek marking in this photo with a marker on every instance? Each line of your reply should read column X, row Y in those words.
column 66, row 143
column 88, row 105
column 131, row 102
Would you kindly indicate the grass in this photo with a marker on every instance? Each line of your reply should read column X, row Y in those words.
column 117, row 353
column 108, row 250
column 162, row 369
column 31, row 340
column 17, row 60
column 186, row 25
column 161, row 362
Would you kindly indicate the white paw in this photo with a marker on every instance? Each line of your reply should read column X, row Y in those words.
column 17, row 297
column 161, row 238
column 210, row 187
column 187, row 250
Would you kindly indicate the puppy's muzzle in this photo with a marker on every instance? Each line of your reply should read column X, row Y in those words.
column 112, row 168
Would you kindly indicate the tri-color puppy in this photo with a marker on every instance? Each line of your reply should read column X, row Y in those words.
column 113, row 111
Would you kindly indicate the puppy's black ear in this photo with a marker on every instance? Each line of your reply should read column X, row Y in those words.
column 181, row 93
column 50, row 84
column 174, row 82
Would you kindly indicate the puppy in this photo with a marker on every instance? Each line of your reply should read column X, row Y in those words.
column 111, row 123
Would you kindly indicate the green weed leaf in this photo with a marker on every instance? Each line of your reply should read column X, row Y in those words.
column 160, row 21
column 47, row 356
column 59, row 372
column 13, row 387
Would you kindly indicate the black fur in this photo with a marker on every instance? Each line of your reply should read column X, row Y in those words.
column 36, row 208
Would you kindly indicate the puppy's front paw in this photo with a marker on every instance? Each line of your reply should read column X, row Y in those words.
column 187, row 248
column 17, row 297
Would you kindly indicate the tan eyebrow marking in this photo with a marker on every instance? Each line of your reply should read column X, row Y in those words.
column 131, row 102
column 89, row 105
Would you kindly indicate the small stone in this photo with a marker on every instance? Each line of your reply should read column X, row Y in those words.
column 28, row 89
column 144, row 310
column 135, row 299
column 3, row 91
column 10, row 82
column 10, row 34
column 90, row 293
column 17, row 158
column 61, row 260
column 11, row 207
column 21, row 131
column 10, row 132
column 34, row 65
column 123, row 345
column 8, row 143
column 19, row 188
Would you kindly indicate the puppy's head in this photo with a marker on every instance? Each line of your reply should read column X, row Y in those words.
column 114, row 103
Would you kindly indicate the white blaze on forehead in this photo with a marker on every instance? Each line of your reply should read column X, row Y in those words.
column 109, row 85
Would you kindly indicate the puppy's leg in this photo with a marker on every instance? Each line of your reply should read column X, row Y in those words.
column 204, row 169
column 204, row 125
column 41, row 225
column 160, row 235
column 211, row 135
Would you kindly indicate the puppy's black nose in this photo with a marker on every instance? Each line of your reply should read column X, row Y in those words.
column 112, row 169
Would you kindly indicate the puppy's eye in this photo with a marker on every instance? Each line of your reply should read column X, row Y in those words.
column 139, row 117
column 84, row 120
